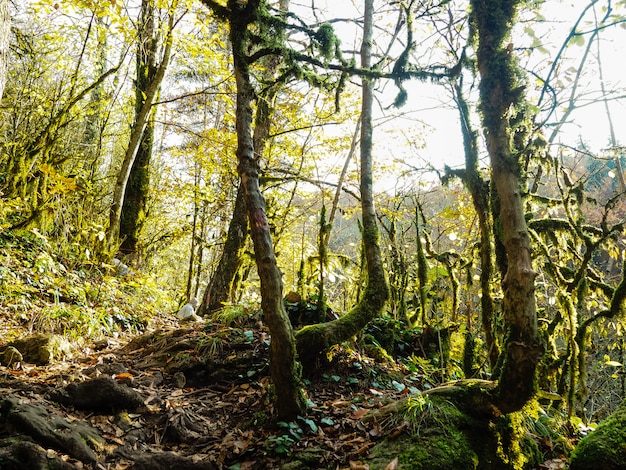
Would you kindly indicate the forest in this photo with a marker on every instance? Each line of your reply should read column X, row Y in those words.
column 269, row 234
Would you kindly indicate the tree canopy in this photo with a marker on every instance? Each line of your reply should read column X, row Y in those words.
column 437, row 185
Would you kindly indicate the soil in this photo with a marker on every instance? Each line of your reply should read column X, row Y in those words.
column 189, row 396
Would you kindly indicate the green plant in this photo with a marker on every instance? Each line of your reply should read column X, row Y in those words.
column 281, row 445
column 235, row 315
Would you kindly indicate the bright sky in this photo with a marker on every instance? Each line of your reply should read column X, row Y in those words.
column 435, row 121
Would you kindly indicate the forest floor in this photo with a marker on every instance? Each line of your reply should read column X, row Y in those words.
column 210, row 403
column 206, row 405
column 161, row 394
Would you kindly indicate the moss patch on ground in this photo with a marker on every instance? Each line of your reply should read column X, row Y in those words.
column 445, row 438
column 604, row 448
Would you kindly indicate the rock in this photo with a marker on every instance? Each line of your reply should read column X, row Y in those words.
column 121, row 269
column 50, row 430
column 99, row 394
column 193, row 318
column 189, row 309
column 28, row 455
column 11, row 357
column 604, row 448
column 41, row 349
column 293, row 297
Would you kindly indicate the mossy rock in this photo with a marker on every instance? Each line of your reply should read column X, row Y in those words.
column 604, row 448
column 41, row 349
column 449, row 450
column 445, row 438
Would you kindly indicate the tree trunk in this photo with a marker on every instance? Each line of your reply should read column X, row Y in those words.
column 480, row 192
column 137, row 134
column 284, row 370
column 5, row 29
column 506, row 126
column 136, row 194
column 133, row 213
column 314, row 339
column 222, row 286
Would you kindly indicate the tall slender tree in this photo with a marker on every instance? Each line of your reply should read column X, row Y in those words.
column 314, row 339
column 141, row 121
column 136, row 194
column 5, row 28
column 507, row 124
column 244, row 20
column 221, row 288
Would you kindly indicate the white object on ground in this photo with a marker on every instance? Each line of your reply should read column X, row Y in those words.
column 188, row 309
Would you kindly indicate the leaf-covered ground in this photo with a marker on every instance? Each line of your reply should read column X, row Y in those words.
column 204, row 395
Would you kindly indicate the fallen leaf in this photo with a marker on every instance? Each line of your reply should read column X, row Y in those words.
column 358, row 465
column 375, row 431
column 358, row 414
column 393, row 465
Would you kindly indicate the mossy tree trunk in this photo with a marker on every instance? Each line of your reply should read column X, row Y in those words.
column 480, row 192
column 222, row 286
column 136, row 194
column 314, row 339
column 284, row 369
column 141, row 121
column 506, row 127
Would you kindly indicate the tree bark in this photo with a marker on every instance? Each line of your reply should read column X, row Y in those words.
column 480, row 191
column 222, row 286
column 506, row 126
column 137, row 132
column 314, row 339
column 136, row 194
column 284, row 369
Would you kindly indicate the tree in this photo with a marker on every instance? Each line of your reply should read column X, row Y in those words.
column 46, row 127
column 507, row 123
column 314, row 339
column 284, row 369
column 141, row 121
column 480, row 191
column 221, row 288
column 5, row 29
column 133, row 214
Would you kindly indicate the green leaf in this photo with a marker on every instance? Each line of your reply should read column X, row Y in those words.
column 398, row 386
column 577, row 40
column 311, row 424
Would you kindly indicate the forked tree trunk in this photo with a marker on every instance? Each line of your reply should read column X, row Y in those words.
column 505, row 123
column 222, row 286
column 314, row 339
column 284, row 370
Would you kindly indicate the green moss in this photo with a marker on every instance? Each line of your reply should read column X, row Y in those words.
column 445, row 437
column 437, row 451
column 327, row 41
column 604, row 448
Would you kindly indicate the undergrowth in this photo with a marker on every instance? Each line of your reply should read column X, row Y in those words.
column 40, row 292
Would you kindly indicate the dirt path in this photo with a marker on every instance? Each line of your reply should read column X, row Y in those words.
column 187, row 397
